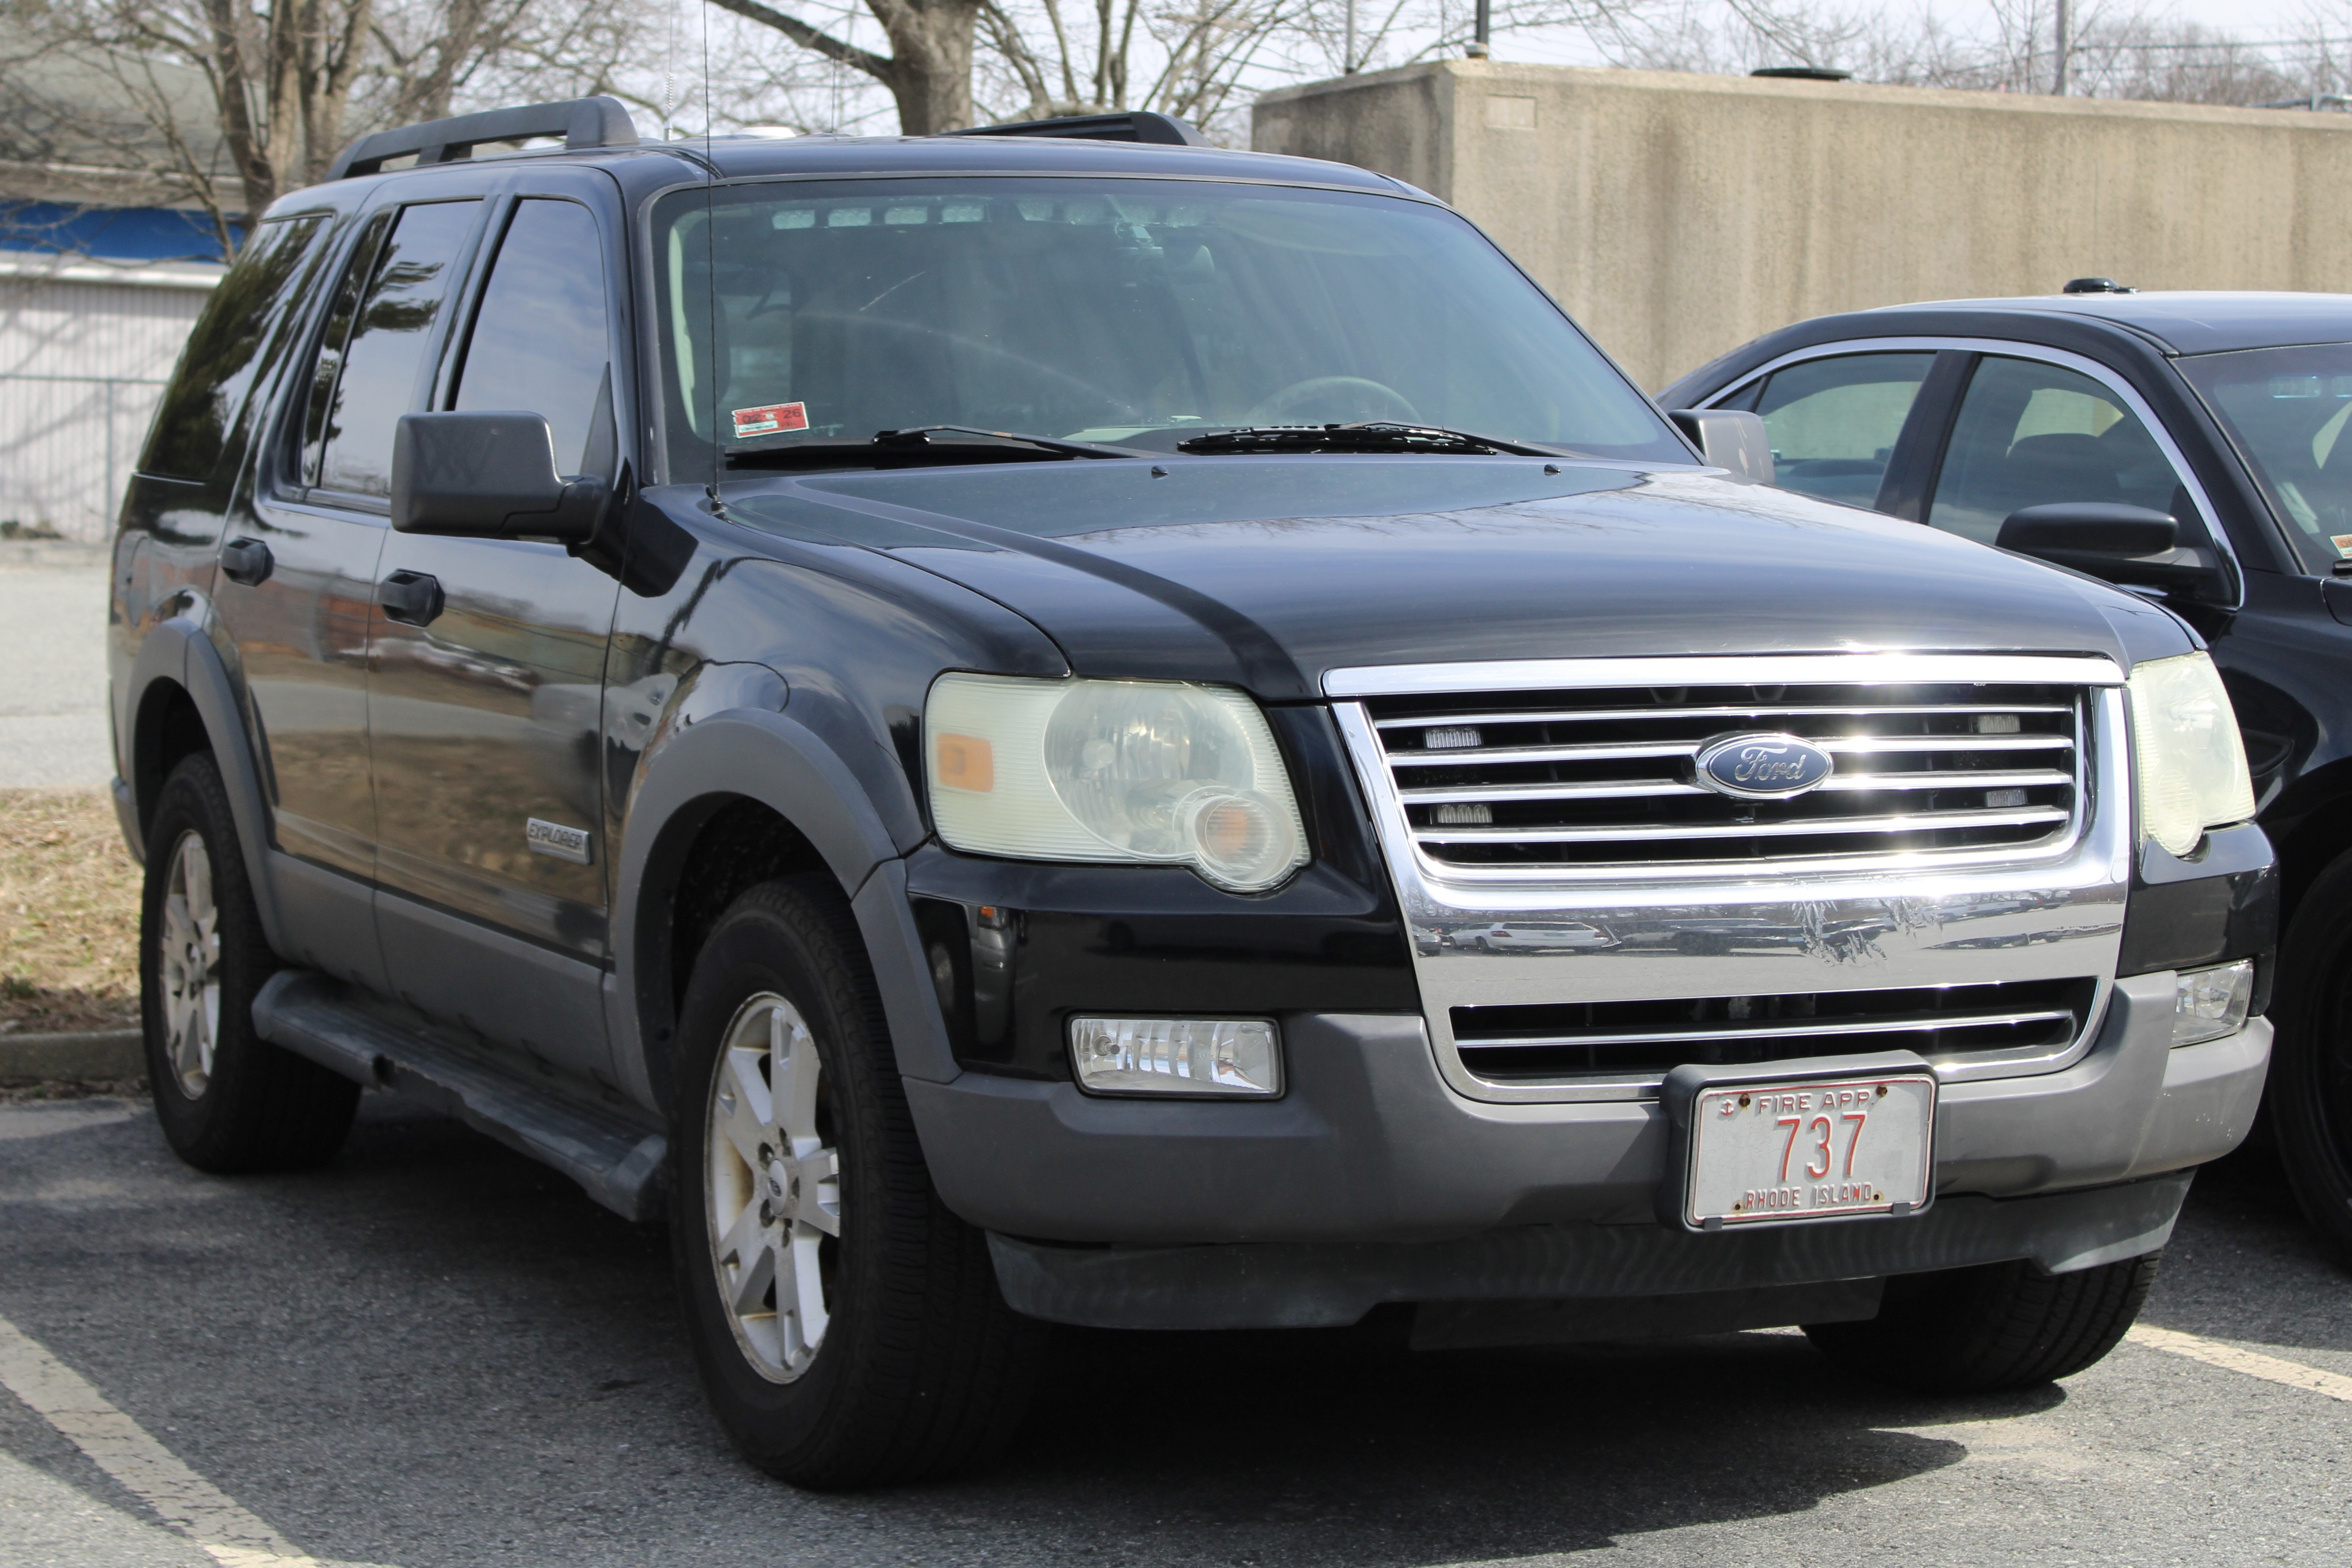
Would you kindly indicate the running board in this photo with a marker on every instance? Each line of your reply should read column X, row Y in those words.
column 615, row 1162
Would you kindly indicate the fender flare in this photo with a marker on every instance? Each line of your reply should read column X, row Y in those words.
column 177, row 650
column 748, row 753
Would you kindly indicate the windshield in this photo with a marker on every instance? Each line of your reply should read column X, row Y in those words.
column 2287, row 409
column 1134, row 312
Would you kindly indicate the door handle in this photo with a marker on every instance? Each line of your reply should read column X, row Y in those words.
column 246, row 561
column 412, row 598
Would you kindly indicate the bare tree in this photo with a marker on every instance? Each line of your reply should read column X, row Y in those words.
column 927, row 71
column 227, row 104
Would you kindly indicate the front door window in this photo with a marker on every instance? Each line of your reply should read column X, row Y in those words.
column 2031, row 434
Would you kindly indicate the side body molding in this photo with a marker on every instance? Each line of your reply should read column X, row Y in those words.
column 177, row 650
column 748, row 753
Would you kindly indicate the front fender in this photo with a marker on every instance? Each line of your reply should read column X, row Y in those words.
column 750, row 753
column 177, row 654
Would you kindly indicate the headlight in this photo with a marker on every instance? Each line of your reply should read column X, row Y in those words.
column 1159, row 772
column 2192, row 764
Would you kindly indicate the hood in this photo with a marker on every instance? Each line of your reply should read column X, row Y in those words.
column 1267, row 571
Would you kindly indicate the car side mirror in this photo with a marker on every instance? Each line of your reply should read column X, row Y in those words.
column 487, row 476
column 2130, row 545
column 1729, row 438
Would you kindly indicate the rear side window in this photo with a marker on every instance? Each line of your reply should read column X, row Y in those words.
column 374, row 346
column 539, row 341
column 225, row 351
column 1833, row 423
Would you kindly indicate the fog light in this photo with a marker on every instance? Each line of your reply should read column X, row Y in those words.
column 2211, row 1002
column 1176, row 1055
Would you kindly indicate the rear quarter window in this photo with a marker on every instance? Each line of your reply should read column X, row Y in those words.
column 225, row 351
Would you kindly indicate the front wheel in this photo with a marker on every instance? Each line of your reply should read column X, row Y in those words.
column 848, row 1328
column 2309, row 1096
column 1995, row 1327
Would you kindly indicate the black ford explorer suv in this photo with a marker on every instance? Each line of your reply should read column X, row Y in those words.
column 1035, row 727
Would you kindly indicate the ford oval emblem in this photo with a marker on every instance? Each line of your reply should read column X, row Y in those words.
column 1762, row 767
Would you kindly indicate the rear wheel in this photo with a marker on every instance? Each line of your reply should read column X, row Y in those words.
column 1982, row 1330
column 2309, row 1097
column 848, row 1328
column 228, row 1099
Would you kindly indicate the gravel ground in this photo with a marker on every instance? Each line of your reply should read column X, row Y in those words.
column 434, row 1352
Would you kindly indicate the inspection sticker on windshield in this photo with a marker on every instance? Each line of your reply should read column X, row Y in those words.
column 770, row 418
column 1775, row 1153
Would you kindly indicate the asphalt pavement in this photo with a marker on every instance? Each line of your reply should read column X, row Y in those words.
column 436, row 1353
column 53, row 725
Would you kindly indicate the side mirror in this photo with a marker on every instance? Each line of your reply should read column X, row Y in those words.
column 487, row 476
column 1729, row 438
column 2129, row 545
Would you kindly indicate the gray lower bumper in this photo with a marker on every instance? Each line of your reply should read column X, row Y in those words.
column 1369, row 1144
column 1307, row 1285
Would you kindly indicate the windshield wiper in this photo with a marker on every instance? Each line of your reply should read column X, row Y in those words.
column 892, row 448
column 1369, row 435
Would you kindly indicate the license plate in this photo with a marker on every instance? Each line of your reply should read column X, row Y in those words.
column 1778, row 1153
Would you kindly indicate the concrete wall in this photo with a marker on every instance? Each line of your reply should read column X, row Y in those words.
column 1677, row 217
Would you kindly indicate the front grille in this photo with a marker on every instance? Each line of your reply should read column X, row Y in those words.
column 1649, row 1039
column 1604, row 782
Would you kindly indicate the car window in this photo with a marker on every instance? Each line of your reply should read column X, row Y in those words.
column 218, row 367
column 357, row 403
column 1112, row 310
column 1834, row 422
column 2031, row 434
column 539, row 341
column 2287, row 410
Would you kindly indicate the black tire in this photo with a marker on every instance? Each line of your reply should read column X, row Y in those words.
column 921, row 1368
column 1984, row 1329
column 2309, row 1096
column 250, row 1106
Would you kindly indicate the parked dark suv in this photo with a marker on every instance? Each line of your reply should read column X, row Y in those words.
column 1066, row 726
column 2184, row 446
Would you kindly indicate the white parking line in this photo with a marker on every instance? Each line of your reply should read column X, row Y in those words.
column 2253, row 1364
column 122, row 1447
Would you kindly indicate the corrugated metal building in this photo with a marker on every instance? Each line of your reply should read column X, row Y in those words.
column 86, row 344
column 103, row 268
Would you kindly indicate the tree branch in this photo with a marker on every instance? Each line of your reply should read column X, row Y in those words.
column 879, row 67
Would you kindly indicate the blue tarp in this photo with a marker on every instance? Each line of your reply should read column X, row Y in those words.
column 109, row 234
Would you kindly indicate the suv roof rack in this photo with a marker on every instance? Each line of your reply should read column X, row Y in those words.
column 1132, row 125
column 582, row 123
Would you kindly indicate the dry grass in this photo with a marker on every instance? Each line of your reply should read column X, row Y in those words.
column 69, row 914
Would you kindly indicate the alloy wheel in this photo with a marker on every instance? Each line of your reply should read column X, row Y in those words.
column 772, row 1192
column 190, row 957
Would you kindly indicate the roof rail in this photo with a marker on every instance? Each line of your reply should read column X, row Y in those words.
column 1131, row 125
column 581, row 122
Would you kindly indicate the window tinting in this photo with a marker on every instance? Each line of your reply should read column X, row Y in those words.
column 389, row 335
column 2033, row 435
column 2287, row 411
column 225, row 351
column 1834, row 422
column 1112, row 310
column 540, row 340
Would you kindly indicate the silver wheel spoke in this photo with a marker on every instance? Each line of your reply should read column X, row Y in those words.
column 773, row 1189
column 190, row 953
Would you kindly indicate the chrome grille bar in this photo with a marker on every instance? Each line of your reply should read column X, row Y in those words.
column 1930, row 1024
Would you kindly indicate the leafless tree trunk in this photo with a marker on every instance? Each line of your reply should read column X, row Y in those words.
column 929, row 68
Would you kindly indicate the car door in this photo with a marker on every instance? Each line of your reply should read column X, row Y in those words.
column 298, row 572
column 488, row 666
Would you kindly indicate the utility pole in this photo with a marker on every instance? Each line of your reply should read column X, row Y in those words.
column 1479, row 31
column 2063, row 37
column 1347, row 53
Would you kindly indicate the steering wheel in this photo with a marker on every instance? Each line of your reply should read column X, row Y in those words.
column 1340, row 399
